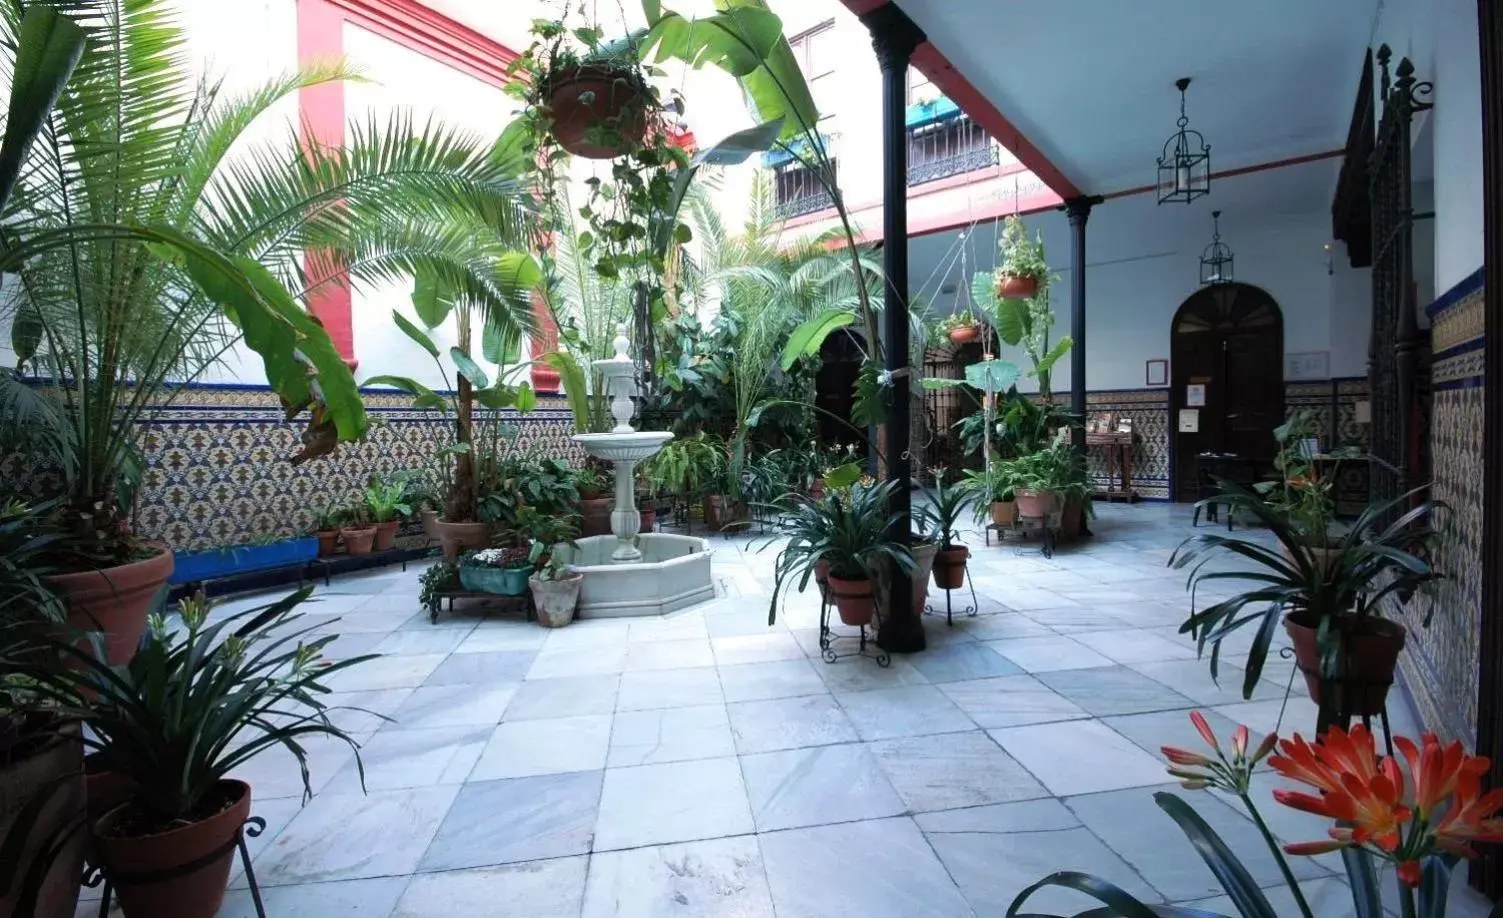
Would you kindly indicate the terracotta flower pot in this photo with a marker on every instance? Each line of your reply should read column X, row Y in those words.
column 949, row 567
column 114, row 600
column 649, row 518
column 1034, row 505
column 964, row 333
column 38, row 772
column 555, row 599
column 595, row 516
column 1072, row 518
column 458, row 538
column 597, row 112
column 328, row 542
column 358, row 541
column 722, row 513
column 386, row 534
column 1004, row 512
column 854, row 600
column 1370, row 654
column 1014, row 287
column 429, row 517
column 196, row 893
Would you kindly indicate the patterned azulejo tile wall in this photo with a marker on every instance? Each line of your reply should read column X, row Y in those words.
column 1440, row 662
column 217, row 472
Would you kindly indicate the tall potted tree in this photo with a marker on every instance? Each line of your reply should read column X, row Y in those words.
column 116, row 327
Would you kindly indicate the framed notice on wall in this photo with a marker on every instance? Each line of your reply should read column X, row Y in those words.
column 1157, row 372
column 1195, row 395
column 1307, row 365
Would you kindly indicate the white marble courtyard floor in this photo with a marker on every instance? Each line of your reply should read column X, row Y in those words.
column 705, row 764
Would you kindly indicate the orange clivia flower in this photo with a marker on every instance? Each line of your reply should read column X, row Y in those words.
column 1357, row 788
column 1472, row 816
column 1299, row 761
column 1183, row 757
column 1411, row 872
column 1436, row 769
column 1239, row 740
column 1204, row 727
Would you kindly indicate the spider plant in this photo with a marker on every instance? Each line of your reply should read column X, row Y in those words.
column 939, row 520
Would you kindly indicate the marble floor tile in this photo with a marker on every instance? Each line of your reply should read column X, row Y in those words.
column 817, row 786
column 578, row 661
column 354, row 836
column 1080, row 757
column 763, row 681
column 756, row 648
column 1105, row 691
column 537, row 889
column 1040, row 655
column 1002, row 626
column 1192, row 678
column 1130, row 645
column 1158, row 729
column 676, row 802
column 339, row 899
column 523, row 748
column 482, row 668
column 1042, row 815
column 492, row 637
column 789, row 723
column 516, row 820
column 669, row 688
column 600, row 632
column 857, row 674
column 679, row 654
column 992, row 868
column 952, row 770
column 1328, row 898
column 912, row 710
column 363, row 713
column 1076, row 620
column 670, row 735
column 809, row 871
column 398, row 758
column 568, row 696
column 440, row 640
column 275, row 773
column 1030, row 599
column 461, row 705
column 746, row 621
column 686, row 625
column 962, row 660
column 1011, row 701
column 385, row 673
column 717, row 878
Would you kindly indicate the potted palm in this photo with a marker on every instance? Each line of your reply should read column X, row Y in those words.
column 1023, row 269
column 941, row 520
column 193, row 706
column 326, row 523
column 1330, row 600
column 386, row 501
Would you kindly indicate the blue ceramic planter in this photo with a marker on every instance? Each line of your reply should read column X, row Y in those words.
column 194, row 566
column 509, row 581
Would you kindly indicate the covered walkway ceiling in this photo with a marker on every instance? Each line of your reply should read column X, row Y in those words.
column 1089, row 84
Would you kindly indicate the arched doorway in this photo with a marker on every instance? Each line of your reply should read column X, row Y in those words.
column 1228, row 339
column 840, row 359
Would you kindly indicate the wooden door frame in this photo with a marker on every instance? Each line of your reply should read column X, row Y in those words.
column 1175, row 386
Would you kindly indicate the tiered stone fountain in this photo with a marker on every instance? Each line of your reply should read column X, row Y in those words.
column 627, row 573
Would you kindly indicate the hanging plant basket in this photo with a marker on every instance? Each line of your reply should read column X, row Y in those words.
column 1017, row 286
column 598, row 111
column 965, row 333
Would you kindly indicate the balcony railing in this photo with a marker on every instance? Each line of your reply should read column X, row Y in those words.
column 803, row 204
column 953, row 146
column 799, row 191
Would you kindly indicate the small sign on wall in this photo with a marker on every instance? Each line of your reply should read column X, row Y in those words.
column 1195, row 395
column 1307, row 365
column 1189, row 420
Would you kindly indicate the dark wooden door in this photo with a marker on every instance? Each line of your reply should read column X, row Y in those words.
column 840, row 360
column 1227, row 340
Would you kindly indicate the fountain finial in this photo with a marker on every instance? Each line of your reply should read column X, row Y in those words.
column 622, row 343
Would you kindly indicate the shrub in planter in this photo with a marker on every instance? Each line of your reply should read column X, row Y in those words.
column 555, row 589
column 326, row 523
column 500, row 571
column 1331, row 603
column 358, row 532
column 385, row 501
column 191, row 707
column 940, row 522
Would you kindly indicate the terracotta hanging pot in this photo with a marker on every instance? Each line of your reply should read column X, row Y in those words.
column 458, row 538
column 1017, row 287
column 854, row 600
column 114, row 600
column 599, row 112
column 196, row 892
column 1370, row 654
column 949, row 567
column 386, row 535
column 1034, row 505
column 328, row 542
column 964, row 333
column 358, row 541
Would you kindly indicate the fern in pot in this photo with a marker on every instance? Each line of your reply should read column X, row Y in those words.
column 173, row 724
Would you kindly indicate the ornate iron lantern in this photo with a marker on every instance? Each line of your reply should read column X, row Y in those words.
column 1185, row 165
column 1216, row 260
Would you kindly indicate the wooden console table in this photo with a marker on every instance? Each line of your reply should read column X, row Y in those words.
column 1118, row 448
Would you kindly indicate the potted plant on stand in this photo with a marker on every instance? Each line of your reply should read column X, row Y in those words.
column 1023, row 269
column 174, row 723
column 326, row 523
column 992, row 493
column 385, row 501
column 555, row 588
column 941, row 521
column 1331, row 600
column 358, row 532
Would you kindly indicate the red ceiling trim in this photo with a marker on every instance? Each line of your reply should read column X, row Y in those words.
column 431, row 33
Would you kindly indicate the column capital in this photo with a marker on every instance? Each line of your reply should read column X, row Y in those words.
column 894, row 35
column 1078, row 209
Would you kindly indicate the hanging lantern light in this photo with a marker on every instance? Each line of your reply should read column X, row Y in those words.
column 1216, row 260
column 1185, row 165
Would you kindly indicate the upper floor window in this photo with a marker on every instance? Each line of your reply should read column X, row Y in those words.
column 797, row 190
column 814, row 49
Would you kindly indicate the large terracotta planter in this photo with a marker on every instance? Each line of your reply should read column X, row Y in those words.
column 597, row 112
column 328, row 542
column 854, row 600
column 114, row 600
column 964, row 333
column 359, row 541
column 197, row 893
column 429, row 516
column 555, row 599
column 722, row 513
column 386, row 535
column 1072, row 519
column 1034, row 505
column 595, row 516
column 649, row 519
column 38, row 771
column 1004, row 513
column 458, row 538
column 1370, row 654
column 1013, row 287
column 949, row 567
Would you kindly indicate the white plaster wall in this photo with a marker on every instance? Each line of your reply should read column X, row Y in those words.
column 1456, row 130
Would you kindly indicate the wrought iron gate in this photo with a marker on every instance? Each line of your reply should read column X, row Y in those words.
column 1393, row 349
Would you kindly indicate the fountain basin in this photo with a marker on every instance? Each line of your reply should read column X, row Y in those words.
column 674, row 573
column 623, row 446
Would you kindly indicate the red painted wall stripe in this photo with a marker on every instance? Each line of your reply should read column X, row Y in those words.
column 432, row 34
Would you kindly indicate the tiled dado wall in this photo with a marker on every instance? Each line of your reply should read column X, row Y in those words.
column 217, row 472
column 1440, row 663
column 1332, row 401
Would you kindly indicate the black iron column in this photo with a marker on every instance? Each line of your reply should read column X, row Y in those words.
column 894, row 36
column 1079, row 211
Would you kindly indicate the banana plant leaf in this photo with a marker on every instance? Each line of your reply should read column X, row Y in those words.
column 50, row 47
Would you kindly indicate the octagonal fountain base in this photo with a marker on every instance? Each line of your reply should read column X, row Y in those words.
column 674, row 573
